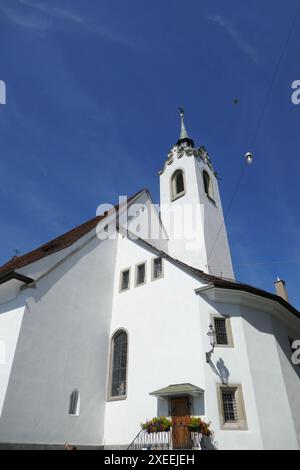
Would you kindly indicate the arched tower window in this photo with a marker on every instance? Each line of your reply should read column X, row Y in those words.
column 74, row 403
column 118, row 366
column 208, row 186
column 177, row 184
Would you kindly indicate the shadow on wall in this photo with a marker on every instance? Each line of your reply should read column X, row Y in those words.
column 220, row 370
column 263, row 321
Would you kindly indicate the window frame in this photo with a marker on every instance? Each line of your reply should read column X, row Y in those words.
column 136, row 284
column 210, row 193
column 174, row 195
column 241, row 423
column 233, row 404
column 152, row 268
column 76, row 406
column 111, row 397
column 121, row 279
column 227, row 319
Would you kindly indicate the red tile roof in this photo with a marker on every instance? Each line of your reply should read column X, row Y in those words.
column 59, row 243
column 68, row 238
column 223, row 283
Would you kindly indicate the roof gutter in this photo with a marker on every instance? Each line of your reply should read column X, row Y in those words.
column 226, row 285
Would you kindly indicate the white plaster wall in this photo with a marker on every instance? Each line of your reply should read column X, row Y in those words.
column 209, row 219
column 145, row 223
column 9, row 291
column 267, row 380
column 10, row 324
column 63, row 345
column 291, row 372
column 64, row 342
column 163, row 324
column 167, row 326
column 38, row 268
column 173, row 349
column 233, row 363
column 177, row 229
column 215, row 235
column 275, row 418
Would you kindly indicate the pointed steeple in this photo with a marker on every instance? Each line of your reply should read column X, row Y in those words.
column 183, row 132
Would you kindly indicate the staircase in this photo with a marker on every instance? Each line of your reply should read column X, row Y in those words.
column 178, row 437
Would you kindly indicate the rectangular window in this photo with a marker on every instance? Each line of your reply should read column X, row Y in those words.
column 140, row 274
column 220, row 329
column 74, row 403
column 229, row 406
column 125, row 277
column 157, row 268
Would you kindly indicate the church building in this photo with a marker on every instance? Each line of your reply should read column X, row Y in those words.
column 136, row 314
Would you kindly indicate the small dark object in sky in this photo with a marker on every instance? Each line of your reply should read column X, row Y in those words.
column 235, row 101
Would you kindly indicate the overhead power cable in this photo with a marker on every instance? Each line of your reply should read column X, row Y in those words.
column 256, row 130
column 274, row 75
column 256, row 263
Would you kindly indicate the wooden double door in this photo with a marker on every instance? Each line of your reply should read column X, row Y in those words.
column 181, row 436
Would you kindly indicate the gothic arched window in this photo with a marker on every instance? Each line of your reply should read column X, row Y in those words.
column 118, row 366
column 177, row 184
column 74, row 403
column 208, row 186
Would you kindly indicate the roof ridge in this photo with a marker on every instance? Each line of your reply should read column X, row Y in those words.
column 219, row 281
column 61, row 242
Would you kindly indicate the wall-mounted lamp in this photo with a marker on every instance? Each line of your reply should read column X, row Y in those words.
column 212, row 339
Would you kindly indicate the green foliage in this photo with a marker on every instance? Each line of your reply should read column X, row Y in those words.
column 162, row 423
column 157, row 425
column 197, row 424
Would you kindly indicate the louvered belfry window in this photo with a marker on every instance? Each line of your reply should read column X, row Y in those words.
column 177, row 184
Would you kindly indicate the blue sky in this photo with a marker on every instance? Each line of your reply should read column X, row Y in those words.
column 92, row 94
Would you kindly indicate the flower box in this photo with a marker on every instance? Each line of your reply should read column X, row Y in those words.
column 161, row 424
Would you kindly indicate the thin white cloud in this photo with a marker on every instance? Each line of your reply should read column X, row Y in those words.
column 38, row 205
column 41, row 16
column 235, row 35
column 25, row 19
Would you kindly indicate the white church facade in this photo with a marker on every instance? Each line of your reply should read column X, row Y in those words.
column 102, row 329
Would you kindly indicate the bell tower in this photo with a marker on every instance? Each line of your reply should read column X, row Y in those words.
column 191, row 208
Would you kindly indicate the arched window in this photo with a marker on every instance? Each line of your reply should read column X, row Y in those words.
column 74, row 403
column 118, row 385
column 177, row 184
column 208, row 186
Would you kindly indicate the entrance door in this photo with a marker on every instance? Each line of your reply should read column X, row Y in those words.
column 181, row 436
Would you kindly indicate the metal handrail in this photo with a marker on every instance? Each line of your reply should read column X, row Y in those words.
column 165, row 440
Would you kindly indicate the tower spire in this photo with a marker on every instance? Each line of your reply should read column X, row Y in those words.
column 183, row 132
